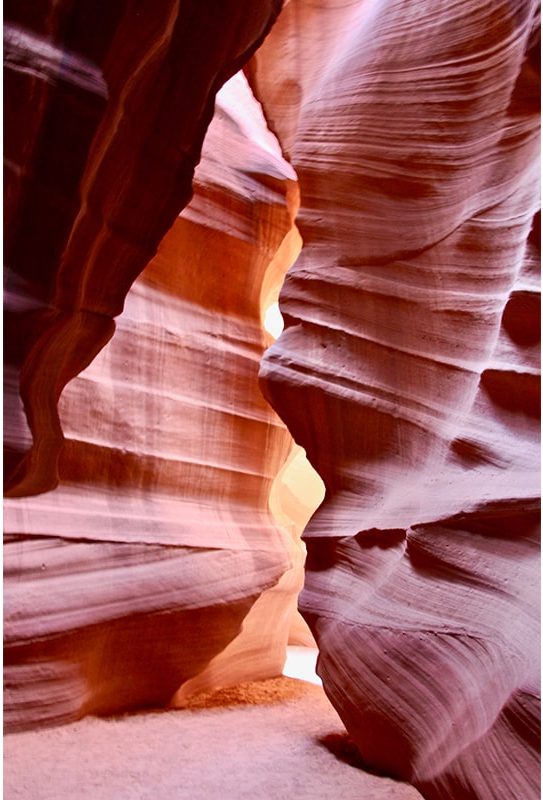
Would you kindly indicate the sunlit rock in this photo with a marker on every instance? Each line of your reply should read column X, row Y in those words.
column 166, row 561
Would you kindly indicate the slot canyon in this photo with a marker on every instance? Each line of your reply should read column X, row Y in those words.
column 272, row 385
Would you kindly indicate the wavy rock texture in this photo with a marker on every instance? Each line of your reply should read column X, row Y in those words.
column 106, row 114
column 408, row 370
column 158, row 563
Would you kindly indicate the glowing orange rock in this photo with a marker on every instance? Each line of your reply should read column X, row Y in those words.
column 159, row 562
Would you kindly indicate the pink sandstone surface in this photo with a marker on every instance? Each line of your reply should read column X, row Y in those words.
column 152, row 525
column 409, row 371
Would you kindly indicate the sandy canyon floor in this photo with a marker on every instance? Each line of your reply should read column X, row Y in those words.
column 271, row 740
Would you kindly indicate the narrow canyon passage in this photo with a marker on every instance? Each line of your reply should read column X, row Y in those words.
column 272, row 384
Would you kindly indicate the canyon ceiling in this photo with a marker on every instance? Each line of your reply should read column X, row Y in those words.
column 170, row 169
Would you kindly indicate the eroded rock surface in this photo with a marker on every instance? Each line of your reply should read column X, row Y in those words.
column 106, row 114
column 157, row 562
column 408, row 370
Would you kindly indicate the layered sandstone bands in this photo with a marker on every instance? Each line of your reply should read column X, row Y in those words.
column 168, row 557
column 106, row 118
column 408, row 370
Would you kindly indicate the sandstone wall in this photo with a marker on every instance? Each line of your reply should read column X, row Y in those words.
column 142, row 556
column 106, row 114
column 141, row 546
column 409, row 371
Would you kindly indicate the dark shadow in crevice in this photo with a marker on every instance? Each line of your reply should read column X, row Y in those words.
column 342, row 746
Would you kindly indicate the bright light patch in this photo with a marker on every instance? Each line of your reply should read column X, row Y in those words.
column 273, row 321
column 300, row 663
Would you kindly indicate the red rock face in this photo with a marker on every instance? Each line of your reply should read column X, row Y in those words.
column 106, row 117
column 156, row 563
column 408, row 369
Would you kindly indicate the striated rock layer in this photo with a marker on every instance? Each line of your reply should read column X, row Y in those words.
column 408, row 370
column 106, row 114
column 169, row 556
column 150, row 516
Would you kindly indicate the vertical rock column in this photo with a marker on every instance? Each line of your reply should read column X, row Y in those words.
column 408, row 371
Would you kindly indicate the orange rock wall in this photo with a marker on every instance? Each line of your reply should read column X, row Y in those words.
column 155, row 565
column 106, row 114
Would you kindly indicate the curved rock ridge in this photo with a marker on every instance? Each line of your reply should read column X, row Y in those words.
column 409, row 371
column 169, row 555
column 106, row 114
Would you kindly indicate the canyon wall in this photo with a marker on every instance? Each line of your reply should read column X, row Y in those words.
column 409, row 371
column 143, row 558
column 105, row 117
column 152, row 513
